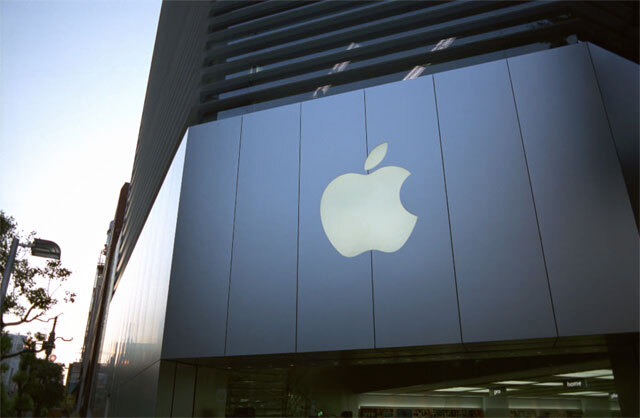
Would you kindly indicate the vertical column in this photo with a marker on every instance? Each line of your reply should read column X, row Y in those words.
column 164, row 397
column 183, row 390
column 623, row 353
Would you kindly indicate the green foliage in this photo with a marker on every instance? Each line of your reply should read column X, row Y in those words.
column 32, row 288
column 6, row 402
column 33, row 291
column 39, row 387
column 39, row 383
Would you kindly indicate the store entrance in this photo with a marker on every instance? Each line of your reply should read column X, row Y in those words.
column 570, row 377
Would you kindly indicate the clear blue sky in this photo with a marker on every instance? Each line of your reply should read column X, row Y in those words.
column 73, row 76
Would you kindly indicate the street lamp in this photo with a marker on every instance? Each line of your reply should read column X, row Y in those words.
column 39, row 248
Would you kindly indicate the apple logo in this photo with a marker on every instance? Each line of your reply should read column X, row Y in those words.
column 364, row 212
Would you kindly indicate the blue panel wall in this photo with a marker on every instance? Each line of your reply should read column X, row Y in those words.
column 417, row 281
column 502, row 283
column 524, row 226
column 619, row 85
column 262, row 301
column 588, row 232
column 335, row 308
column 197, row 305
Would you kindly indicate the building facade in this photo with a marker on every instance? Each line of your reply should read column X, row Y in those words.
column 385, row 208
column 12, row 363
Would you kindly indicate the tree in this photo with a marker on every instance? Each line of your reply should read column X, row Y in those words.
column 39, row 385
column 33, row 290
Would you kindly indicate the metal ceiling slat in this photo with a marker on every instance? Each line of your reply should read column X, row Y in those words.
column 608, row 30
column 375, row 30
column 598, row 15
column 329, row 23
column 222, row 7
column 392, row 66
column 253, row 11
column 522, row 14
column 626, row 10
column 281, row 19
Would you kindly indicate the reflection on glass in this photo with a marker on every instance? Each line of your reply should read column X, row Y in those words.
column 341, row 66
column 135, row 322
column 419, row 69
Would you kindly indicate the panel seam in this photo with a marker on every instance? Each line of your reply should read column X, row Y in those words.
column 446, row 195
column 173, row 389
column 366, row 142
column 533, row 199
column 233, row 236
column 298, row 238
column 606, row 114
column 195, row 387
column 604, row 107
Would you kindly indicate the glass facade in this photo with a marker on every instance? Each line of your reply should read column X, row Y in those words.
column 130, row 354
column 466, row 385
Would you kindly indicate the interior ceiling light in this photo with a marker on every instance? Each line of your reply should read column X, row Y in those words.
column 588, row 373
column 480, row 391
column 586, row 393
column 549, row 384
column 514, row 382
column 607, row 377
column 457, row 389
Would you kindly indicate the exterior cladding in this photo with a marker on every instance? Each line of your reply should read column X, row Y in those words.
column 525, row 228
column 623, row 107
column 171, row 96
column 201, row 49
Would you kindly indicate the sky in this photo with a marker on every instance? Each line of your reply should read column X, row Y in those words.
column 73, row 77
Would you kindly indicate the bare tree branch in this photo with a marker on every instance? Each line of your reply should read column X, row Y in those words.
column 26, row 350
column 24, row 320
column 65, row 339
column 45, row 320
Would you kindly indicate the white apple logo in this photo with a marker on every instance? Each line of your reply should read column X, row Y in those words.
column 364, row 212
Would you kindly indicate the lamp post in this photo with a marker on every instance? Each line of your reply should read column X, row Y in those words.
column 39, row 248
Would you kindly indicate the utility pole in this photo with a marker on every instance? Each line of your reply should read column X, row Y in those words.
column 50, row 344
column 6, row 274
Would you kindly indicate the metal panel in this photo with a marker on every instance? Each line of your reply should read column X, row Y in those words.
column 619, row 85
column 197, row 305
column 335, row 309
column 502, row 284
column 262, row 298
column 417, row 281
column 589, row 236
column 136, row 317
